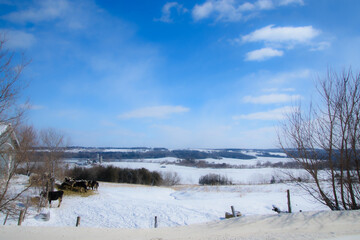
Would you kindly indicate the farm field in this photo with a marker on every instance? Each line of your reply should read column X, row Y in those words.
column 135, row 206
column 189, row 210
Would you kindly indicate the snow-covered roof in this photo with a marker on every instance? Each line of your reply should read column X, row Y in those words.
column 3, row 127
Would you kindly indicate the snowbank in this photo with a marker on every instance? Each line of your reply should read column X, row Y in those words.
column 305, row 225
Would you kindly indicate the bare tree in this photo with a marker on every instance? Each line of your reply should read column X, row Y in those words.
column 11, row 113
column 17, row 152
column 53, row 143
column 325, row 141
column 26, row 155
column 11, row 84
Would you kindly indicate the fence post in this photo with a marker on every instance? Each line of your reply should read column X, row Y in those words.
column 7, row 215
column 21, row 217
column 156, row 223
column 78, row 221
column 233, row 211
column 289, row 202
column 26, row 207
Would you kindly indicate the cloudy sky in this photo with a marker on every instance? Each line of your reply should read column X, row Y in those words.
column 176, row 74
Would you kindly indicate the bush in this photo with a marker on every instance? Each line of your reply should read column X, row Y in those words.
column 214, row 179
column 273, row 180
column 170, row 179
column 115, row 174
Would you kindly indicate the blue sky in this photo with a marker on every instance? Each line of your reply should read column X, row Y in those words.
column 176, row 74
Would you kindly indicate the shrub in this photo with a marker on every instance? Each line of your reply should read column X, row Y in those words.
column 170, row 179
column 115, row 174
column 214, row 179
column 272, row 181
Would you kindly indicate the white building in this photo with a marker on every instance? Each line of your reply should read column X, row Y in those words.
column 8, row 144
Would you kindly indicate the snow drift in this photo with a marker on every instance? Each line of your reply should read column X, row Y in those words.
column 340, row 225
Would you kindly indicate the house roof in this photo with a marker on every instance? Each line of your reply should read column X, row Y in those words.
column 3, row 128
column 6, row 127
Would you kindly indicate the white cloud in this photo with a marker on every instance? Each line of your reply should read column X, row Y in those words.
column 271, row 98
column 166, row 11
column 18, row 39
column 286, row 77
column 264, row 4
column 320, row 46
column 44, row 11
column 154, row 112
column 263, row 54
column 276, row 38
column 32, row 106
column 247, row 7
column 288, row 2
column 202, row 11
column 277, row 90
column 275, row 114
column 73, row 15
column 232, row 10
column 282, row 34
column 224, row 10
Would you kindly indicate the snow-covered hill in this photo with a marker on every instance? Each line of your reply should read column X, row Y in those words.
column 297, row 226
column 135, row 206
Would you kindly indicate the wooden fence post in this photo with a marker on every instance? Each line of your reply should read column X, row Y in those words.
column 289, row 202
column 7, row 215
column 21, row 216
column 26, row 207
column 156, row 223
column 233, row 211
column 78, row 221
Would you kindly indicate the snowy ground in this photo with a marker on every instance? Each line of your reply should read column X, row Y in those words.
column 124, row 206
column 135, row 206
column 297, row 226
column 190, row 175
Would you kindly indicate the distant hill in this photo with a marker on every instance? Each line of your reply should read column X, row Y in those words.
column 144, row 153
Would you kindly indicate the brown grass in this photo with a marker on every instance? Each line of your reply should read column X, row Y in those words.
column 76, row 191
column 79, row 193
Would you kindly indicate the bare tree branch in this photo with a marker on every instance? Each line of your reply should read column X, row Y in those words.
column 327, row 136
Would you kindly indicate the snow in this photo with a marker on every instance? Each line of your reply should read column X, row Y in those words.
column 3, row 128
column 76, row 150
column 200, row 208
column 190, row 175
column 124, row 150
column 247, row 162
column 135, row 206
column 306, row 225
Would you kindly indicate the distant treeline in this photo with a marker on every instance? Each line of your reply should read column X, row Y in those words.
column 160, row 153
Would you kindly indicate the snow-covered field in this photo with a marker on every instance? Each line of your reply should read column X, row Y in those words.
column 191, row 175
column 135, row 207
